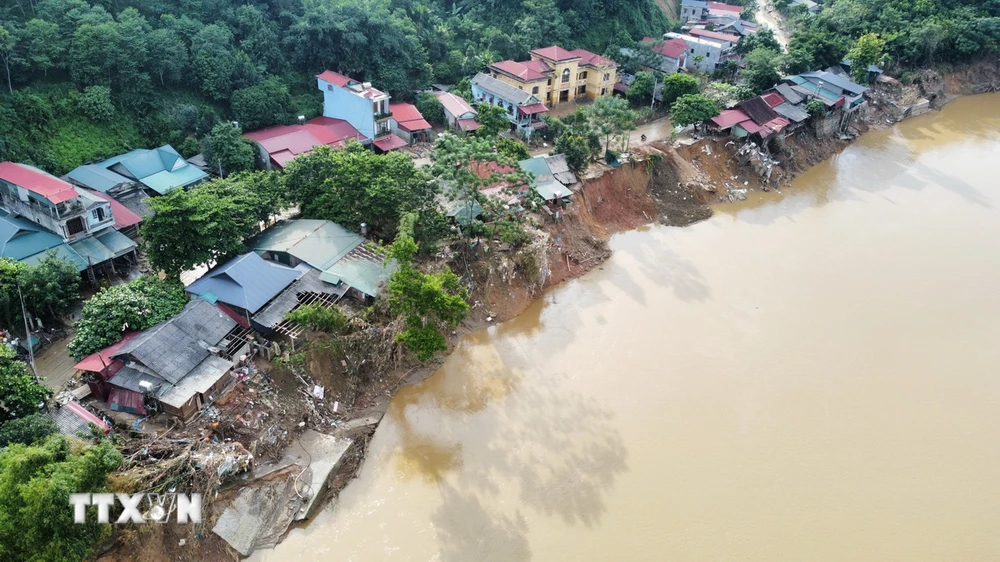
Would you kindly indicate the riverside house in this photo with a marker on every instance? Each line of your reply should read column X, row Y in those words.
column 555, row 75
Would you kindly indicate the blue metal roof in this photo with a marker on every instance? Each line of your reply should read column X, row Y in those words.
column 160, row 169
column 247, row 281
column 20, row 239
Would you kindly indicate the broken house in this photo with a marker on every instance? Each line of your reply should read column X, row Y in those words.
column 342, row 258
column 40, row 213
column 458, row 113
column 177, row 367
column 244, row 285
column 551, row 179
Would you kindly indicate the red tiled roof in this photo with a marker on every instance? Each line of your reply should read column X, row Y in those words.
column 518, row 70
column 728, row 118
column 672, row 48
column 532, row 109
column 697, row 32
column 285, row 142
column 538, row 65
column 750, row 126
column 389, row 142
column 38, row 182
column 335, row 78
column 555, row 53
column 776, row 125
column 455, row 105
column 590, row 59
column 468, row 124
column 408, row 117
column 773, row 99
column 124, row 218
column 98, row 361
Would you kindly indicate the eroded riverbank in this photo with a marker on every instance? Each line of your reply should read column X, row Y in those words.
column 820, row 357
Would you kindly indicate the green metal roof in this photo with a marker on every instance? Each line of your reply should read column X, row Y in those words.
column 97, row 177
column 361, row 273
column 551, row 190
column 538, row 167
column 61, row 251
column 160, row 169
column 92, row 249
column 20, row 238
column 463, row 212
column 116, row 242
column 316, row 242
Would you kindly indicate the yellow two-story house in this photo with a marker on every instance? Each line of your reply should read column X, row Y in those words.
column 555, row 75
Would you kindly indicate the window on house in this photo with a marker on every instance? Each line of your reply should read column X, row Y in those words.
column 520, row 88
column 534, row 90
column 604, row 91
column 549, row 82
column 329, row 87
column 607, row 77
column 581, row 90
column 583, row 75
column 75, row 226
column 692, row 50
column 565, row 75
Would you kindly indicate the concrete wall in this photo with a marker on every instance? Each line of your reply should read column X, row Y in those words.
column 712, row 52
column 340, row 103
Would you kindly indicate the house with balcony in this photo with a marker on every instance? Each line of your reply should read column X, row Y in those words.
column 555, row 75
column 524, row 110
column 365, row 107
column 82, row 222
column 704, row 54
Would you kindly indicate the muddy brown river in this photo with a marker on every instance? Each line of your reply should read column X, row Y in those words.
column 807, row 376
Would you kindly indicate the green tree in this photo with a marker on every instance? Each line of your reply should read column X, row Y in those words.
column 824, row 48
column 640, row 91
column 261, row 105
column 227, row 150
column 11, row 273
column 94, row 54
column 869, row 49
column 762, row 39
column 577, row 150
column 761, row 69
column 27, row 430
column 428, row 302
column 611, row 117
column 95, row 103
column 258, row 37
column 677, row 85
column 513, row 149
column 36, row 522
column 795, row 61
column 195, row 227
column 44, row 49
column 168, row 55
column 130, row 307
column 51, row 288
column 213, row 61
column 430, row 107
column 815, row 108
column 492, row 120
column 692, row 109
column 7, row 43
column 353, row 185
column 20, row 394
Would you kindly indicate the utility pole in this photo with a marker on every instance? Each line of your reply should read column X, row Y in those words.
column 27, row 335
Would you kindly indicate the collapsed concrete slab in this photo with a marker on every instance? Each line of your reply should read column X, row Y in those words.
column 266, row 506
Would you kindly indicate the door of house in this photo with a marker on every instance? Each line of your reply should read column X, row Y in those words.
column 563, row 96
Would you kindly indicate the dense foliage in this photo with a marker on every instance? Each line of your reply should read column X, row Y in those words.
column 27, row 430
column 36, row 522
column 209, row 222
column 318, row 317
column 429, row 303
column 124, row 308
column 353, row 185
column 49, row 289
column 915, row 33
column 145, row 72
column 691, row 109
column 20, row 394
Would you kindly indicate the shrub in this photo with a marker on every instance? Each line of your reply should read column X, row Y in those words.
column 95, row 103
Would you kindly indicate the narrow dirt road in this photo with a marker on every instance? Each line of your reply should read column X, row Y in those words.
column 768, row 15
